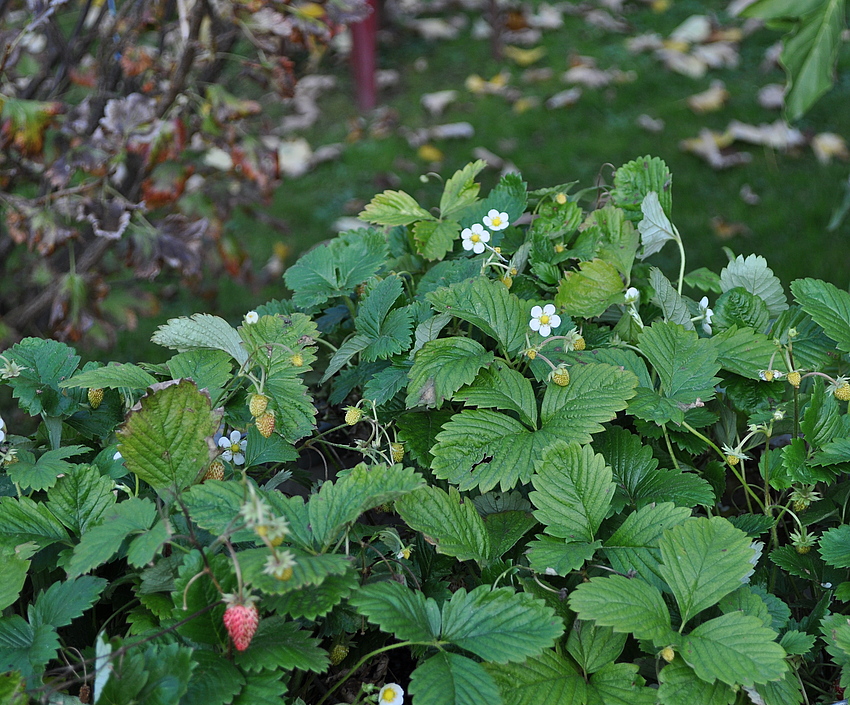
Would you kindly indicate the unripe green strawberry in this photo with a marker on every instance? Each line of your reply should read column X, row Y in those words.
column 843, row 392
column 507, row 281
column 397, row 450
column 265, row 423
column 579, row 344
column 803, row 549
column 733, row 459
column 241, row 622
column 215, row 471
column 794, row 379
column 95, row 397
column 560, row 376
column 338, row 653
column 353, row 415
column 668, row 654
column 257, row 404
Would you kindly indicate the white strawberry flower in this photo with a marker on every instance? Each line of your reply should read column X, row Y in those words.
column 2, row 430
column 705, row 314
column 251, row 317
column 474, row 238
column 391, row 694
column 496, row 220
column 544, row 319
column 234, row 448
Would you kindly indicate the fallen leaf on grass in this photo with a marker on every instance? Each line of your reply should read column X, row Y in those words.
column 435, row 103
column 452, row 130
column 546, row 17
column 479, row 86
column 525, row 103
column 709, row 100
column 585, row 72
column 524, row 57
column 713, row 147
column 387, row 78
column 680, row 62
column 748, row 196
column 433, row 28
column 429, row 153
column 827, row 145
column 605, row 21
column 294, row 157
column 650, row 124
column 564, row 99
column 772, row 96
column 726, row 229
column 778, row 135
column 717, row 55
column 694, row 30
column 644, row 42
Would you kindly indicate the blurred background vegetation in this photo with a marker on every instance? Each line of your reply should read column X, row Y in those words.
column 267, row 190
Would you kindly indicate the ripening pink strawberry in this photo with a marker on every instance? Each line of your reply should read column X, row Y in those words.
column 241, row 623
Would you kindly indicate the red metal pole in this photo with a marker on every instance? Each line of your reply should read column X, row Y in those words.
column 364, row 59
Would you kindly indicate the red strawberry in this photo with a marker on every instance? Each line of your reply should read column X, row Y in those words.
column 241, row 623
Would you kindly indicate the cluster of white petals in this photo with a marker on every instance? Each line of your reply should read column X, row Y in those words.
column 544, row 319
column 475, row 237
column 234, row 448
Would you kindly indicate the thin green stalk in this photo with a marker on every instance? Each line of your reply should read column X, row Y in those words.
column 681, row 262
column 670, row 447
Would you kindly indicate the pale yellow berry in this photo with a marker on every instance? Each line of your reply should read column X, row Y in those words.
column 579, row 344
column 507, row 281
column 297, row 360
column 794, row 379
column 257, row 404
column 733, row 459
column 843, row 392
column 215, row 471
column 397, row 450
column 560, row 376
column 353, row 415
column 265, row 423
column 561, row 198
column 668, row 654
column 95, row 397
column 559, row 248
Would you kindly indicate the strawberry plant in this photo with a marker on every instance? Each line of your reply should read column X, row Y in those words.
column 485, row 452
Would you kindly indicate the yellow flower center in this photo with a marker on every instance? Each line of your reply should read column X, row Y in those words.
column 544, row 319
column 234, row 447
column 388, row 695
column 475, row 237
column 496, row 221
